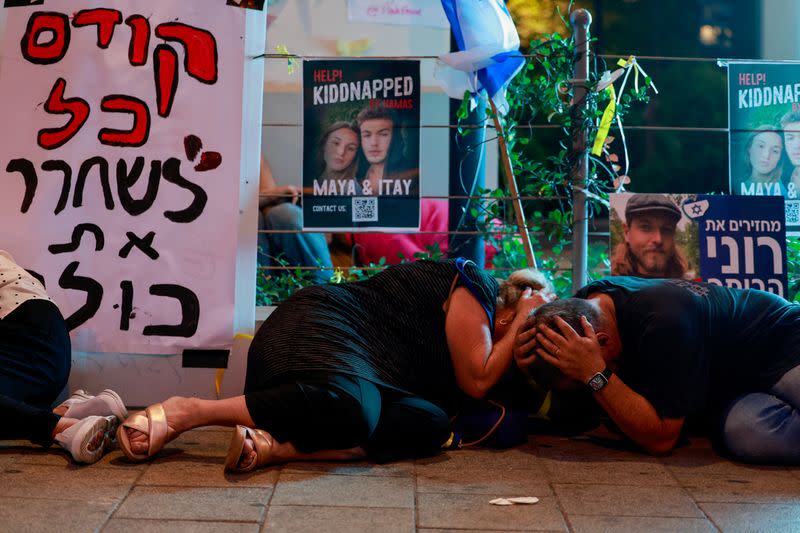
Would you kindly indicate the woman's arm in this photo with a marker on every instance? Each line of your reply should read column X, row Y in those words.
column 269, row 192
column 477, row 361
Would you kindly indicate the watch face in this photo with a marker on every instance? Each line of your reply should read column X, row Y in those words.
column 597, row 382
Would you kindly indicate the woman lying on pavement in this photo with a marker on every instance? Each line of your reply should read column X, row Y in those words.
column 370, row 369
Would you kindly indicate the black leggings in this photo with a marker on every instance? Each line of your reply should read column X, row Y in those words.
column 35, row 360
column 337, row 411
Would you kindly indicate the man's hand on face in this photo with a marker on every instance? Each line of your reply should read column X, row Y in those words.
column 579, row 358
column 525, row 343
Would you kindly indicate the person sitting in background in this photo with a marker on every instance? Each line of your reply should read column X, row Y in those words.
column 370, row 247
column 280, row 225
column 35, row 360
column 373, row 368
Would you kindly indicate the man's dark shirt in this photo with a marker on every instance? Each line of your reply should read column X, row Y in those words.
column 691, row 348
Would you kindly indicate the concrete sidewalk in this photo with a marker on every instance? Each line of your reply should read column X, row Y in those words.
column 582, row 487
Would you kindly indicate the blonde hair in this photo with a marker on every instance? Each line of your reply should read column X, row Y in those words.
column 512, row 288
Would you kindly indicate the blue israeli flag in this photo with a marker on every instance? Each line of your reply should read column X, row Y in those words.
column 488, row 56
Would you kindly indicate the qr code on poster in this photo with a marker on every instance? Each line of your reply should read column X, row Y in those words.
column 365, row 209
column 792, row 212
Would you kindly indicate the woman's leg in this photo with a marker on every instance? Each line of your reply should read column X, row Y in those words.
column 765, row 426
column 409, row 427
column 25, row 421
column 323, row 418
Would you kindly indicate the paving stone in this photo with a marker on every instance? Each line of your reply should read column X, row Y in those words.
column 343, row 491
column 77, row 483
column 626, row 500
column 638, row 524
column 623, row 472
column 339, row 519
column 473, row 511
column 446, row 530
column 398, row 469
column 745, row 486
column 197, row 472
column 483, row 480
column 139, row 525
column 476, row 460
column 196, row 503
column 588, row 449
column 207, row 442
column 35, row 515
column 747, row 517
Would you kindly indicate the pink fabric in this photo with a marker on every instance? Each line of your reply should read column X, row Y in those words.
column 372, row 246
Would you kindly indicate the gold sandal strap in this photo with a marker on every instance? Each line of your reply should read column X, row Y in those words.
column 262, row 442
column 158, row 428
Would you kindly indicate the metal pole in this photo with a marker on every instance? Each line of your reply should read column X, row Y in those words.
column 467, row 176
column 513, row 189
column 581, row 19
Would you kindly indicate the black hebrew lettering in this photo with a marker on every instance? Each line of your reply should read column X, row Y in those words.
column 77, row 235
column 28, row 171
column 127, row 180
column 144, row 244
column 92, row 288
column 127, row 305
column 190, row 312
column 86, row 167
column 172, row 173
column 57, row 164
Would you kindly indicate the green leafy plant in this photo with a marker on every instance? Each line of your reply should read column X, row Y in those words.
column 541, row 95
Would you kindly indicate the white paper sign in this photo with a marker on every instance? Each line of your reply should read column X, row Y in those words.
column 406, row 12
column 120, row 163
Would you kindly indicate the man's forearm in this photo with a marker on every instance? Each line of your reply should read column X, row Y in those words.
column 637, row 417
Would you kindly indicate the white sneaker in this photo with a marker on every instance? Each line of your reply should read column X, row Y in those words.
column 80, row 405
column 76, row 438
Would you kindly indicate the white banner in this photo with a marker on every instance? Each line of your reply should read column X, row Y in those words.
column 120, row 164
column 406, row 12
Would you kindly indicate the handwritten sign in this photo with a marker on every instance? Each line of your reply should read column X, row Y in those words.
column 120, row 164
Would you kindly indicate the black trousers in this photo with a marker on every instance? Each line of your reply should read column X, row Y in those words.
column 338, row 411
column 35, row 359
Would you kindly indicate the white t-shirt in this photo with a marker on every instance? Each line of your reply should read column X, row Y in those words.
column 17, row 285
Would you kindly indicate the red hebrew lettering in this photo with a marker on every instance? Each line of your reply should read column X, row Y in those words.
column 200, row 49
column 49, row 52
column 165, row 62
column 140, row 39
column 139, row 132
column 56, row 104
column 104, row 19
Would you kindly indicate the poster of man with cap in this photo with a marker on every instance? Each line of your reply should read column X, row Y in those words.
column 648, row 241
column 734, row 241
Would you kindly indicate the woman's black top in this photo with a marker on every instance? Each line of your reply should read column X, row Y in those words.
column 388, row 329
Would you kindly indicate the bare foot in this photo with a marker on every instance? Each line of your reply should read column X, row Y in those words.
column 177, row 410
column 248, row 454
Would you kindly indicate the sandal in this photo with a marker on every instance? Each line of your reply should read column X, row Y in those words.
column 262, row 443
column 76, row 438
column 153, row 423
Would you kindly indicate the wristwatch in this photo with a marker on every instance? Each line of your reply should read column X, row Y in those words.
column 599, row 380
